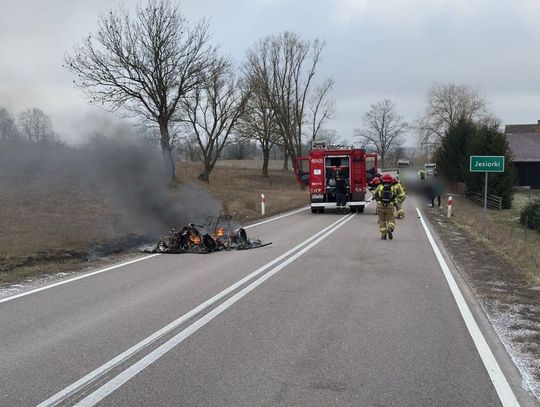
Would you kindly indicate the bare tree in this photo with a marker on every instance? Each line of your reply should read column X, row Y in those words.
column 445, row 105
column 214, row 110
column 258, row 123
column 8, row 127
column 322, row 108
column 382, row 128
column 285, row 66
column 329, row 136
column 145, row 65
column 37, row 127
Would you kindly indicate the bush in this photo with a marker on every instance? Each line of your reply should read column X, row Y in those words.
column 530, row 215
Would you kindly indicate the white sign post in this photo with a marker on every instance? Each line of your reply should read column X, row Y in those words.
column 449, row 214
column 263, row 204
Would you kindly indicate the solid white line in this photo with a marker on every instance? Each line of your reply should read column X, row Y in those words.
column 13, row 297
column 73, row 388
column 504, row 391
column 277, row 217
column 136, row 368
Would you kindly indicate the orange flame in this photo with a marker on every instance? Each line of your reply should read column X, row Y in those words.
column 220, row 232
column 195, row 239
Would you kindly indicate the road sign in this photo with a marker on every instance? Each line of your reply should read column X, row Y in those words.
column 486, row 163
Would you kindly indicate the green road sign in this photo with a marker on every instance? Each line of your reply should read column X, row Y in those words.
column 487, row 163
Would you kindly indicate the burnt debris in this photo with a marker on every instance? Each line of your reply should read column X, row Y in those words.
column 215, row 235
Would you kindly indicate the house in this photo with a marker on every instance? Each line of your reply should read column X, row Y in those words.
column 524, row 143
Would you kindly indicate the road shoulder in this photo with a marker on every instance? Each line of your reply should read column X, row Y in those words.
column 505, row 309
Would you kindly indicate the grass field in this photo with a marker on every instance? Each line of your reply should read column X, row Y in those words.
column 519, row 245
column 54, row 217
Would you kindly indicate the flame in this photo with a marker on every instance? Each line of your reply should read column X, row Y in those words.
column 195, row 239
column 220, row 232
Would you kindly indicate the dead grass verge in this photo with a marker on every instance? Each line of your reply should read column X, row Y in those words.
column 54, row 221
column 518, row 245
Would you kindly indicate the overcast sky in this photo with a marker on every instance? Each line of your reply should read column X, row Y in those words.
column 375, row 49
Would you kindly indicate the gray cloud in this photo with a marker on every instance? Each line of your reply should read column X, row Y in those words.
column 376, row 49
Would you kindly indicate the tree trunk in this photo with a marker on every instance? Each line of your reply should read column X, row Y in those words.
column 166, row 153
column 266, row 158
column 285, row 160
column 205, row 174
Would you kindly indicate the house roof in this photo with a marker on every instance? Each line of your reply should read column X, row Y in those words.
column 522, row 128
column 525, row 147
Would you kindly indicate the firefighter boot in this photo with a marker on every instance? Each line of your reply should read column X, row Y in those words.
column 390, row 235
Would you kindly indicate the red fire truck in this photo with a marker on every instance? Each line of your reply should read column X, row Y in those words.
column 318, row 172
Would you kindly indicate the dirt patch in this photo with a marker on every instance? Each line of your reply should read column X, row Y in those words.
column 504, row 290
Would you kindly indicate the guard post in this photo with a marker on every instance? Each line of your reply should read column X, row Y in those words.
column 486, row 164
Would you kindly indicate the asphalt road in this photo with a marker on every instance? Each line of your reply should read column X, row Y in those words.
column 332, row 316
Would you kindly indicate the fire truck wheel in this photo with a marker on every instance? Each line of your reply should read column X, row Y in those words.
column 361, row 209
column 314, row 210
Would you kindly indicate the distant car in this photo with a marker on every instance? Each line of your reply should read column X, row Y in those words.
column 430, row 168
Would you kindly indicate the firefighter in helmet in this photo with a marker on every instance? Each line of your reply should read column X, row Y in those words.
column 386, row 197
column 401, row 195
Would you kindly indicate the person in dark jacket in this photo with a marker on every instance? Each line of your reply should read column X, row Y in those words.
column 341, row 191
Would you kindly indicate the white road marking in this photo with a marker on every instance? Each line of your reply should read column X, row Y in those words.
column 277, row 217
column 93, row 273
column 136, row 368
column 504, row 391
column 100, row 371
column 13, row 297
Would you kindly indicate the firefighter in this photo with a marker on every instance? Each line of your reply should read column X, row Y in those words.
column 374, row 182
column 386, row 198
column 341, row 191
column 401, row 195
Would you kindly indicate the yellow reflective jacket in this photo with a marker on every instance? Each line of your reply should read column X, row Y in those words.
column 378, row 195
column 399, row 191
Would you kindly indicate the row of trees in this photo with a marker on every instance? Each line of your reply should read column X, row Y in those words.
column 31, row 125
column 446, row 104
column 466, row 137
column 159, row 68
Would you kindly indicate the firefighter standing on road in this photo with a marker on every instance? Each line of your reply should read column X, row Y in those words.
column 341, row 192
column 400, row 193
column 386, row 198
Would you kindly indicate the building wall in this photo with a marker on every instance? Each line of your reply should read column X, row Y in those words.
column 528, row 174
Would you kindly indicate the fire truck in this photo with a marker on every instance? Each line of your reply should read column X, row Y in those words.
column 318, row 171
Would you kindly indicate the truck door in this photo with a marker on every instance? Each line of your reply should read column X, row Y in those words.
column 372, row 166
column 302, row 170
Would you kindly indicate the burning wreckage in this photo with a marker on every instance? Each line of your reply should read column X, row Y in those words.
column 214, row 236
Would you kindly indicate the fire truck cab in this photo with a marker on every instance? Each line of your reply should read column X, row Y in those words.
column 318, row 172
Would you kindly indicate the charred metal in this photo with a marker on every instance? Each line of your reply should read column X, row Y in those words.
column 215, row 235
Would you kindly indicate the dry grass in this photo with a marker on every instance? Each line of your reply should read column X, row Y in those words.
column 250, row 164
column 240, row 188
column 519, row 245
column 51, row 218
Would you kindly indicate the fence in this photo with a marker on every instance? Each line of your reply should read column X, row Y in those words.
column 493, row 201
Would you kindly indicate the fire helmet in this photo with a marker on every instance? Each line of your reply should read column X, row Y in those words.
column 375, row 181
column 387, row 178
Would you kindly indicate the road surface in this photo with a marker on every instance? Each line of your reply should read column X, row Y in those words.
column 328, row 315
